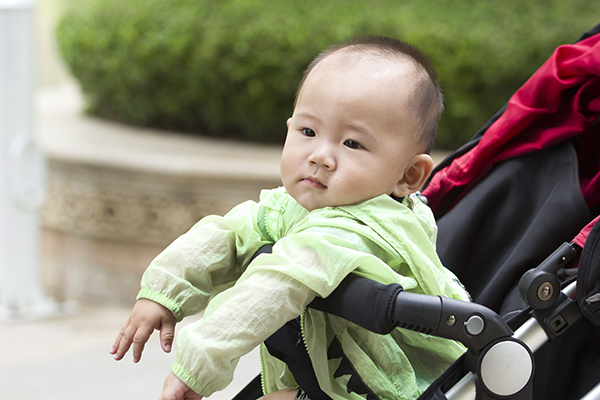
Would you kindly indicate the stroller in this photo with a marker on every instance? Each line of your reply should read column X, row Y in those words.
column 516, row 209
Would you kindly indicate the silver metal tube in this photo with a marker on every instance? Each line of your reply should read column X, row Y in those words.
column 593, row 394
column 571, row 290
column 463, row 390
column 532, row 334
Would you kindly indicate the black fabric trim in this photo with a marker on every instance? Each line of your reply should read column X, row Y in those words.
column 355, row 383
column 398, row 199
column 595, row 30
column 288, row 346
column 588, row 276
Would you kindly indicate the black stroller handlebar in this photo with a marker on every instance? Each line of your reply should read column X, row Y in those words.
column 374, row 312
column 472, row 324
column 389, row 307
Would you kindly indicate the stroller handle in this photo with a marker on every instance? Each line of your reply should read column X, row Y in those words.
column 390, row 307
column 472, row 324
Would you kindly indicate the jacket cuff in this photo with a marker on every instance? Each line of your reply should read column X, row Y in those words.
column 189, row 380
column 163, row 300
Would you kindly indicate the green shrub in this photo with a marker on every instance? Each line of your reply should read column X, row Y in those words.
column 229, row 68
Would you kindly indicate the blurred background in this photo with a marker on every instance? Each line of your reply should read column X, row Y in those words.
column 123, row 122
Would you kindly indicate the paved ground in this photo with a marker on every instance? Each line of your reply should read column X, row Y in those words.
column 66, row 358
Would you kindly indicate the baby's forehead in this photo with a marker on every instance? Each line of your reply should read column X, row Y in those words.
column 406, row 82
column 360, row 55
column 367, row 66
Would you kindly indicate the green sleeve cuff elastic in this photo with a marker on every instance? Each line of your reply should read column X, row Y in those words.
column 163, row 300
column 189, row 380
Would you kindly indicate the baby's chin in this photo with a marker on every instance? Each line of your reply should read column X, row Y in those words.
column 313, row 207
column 311, row 203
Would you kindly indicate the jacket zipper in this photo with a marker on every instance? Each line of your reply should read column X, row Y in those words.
column 262, row 370
column 260, row 353
column 302, row 329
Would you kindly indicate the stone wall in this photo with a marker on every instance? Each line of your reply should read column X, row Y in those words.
column 117, row 195
column 103, row 225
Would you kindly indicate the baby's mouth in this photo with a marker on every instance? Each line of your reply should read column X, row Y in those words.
column 314, row 182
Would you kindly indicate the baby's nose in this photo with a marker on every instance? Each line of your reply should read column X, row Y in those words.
column 323, row 157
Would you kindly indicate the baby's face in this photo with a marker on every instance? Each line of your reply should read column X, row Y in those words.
column 349, row 138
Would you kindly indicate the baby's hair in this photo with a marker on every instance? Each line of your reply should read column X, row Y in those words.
column 427, row 96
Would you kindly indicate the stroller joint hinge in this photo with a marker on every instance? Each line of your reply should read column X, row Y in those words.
column 557, row 319
column 540, row 287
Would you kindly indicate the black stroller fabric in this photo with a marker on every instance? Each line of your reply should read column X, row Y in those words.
column 511, row 222
column 526, row 184
column 505, row 201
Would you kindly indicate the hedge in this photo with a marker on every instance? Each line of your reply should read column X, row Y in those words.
column 229, row 68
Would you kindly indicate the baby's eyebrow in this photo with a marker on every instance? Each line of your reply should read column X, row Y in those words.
column 361, row 129
column 307, row 115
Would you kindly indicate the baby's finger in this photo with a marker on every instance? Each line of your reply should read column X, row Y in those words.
column 139, row 340
column 126, row 336
column 167, row 334
column 118, row 339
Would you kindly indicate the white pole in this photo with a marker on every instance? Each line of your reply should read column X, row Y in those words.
column 21, row 169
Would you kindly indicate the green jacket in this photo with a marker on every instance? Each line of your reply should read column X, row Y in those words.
column 379, row 238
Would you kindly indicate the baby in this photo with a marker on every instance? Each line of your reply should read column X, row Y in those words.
column 356, row 151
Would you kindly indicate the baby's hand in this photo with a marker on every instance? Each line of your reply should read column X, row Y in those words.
column 175, row 389
column 145, row 317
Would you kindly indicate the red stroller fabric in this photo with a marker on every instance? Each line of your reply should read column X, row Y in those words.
column 585, row 232
column 558, row 102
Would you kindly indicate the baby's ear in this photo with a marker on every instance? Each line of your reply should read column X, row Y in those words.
column 415, row 175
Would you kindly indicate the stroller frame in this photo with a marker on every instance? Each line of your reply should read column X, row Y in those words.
column 500, row 360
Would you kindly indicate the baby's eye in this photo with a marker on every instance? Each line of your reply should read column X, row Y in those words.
column 308, row 132
column 353, row 144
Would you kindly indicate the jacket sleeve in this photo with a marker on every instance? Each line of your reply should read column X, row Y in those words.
column 236, row 321
column 213, row 252
column 274, row 289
